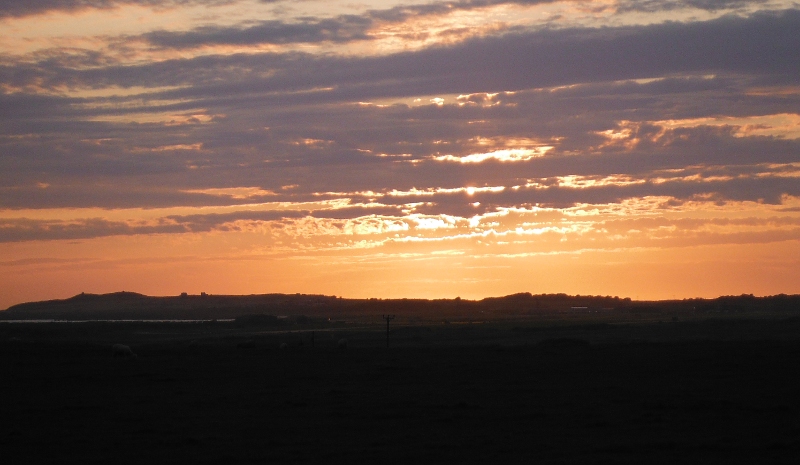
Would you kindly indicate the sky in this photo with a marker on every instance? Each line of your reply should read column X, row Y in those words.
column 639, row 148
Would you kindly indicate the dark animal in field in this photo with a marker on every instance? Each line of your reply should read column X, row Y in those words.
column 283, row 346
column 342, row 344
column 122, row 351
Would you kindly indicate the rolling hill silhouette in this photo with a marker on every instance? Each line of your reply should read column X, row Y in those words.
column 134, row 306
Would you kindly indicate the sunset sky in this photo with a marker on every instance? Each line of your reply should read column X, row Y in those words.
column 401, row 148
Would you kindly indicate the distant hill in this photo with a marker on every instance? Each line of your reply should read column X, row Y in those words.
column 134, row 306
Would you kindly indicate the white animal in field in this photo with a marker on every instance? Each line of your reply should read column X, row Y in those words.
column 122, row 351
column 342, row 344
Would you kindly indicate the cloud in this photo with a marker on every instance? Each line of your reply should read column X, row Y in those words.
column 238, row 193
column 344, row 28
column 503, row 155
column 243, row 114
column 32, row 230
column 308, row 30
column 13, row 8
column 761, row 44
column 241, row 218
column 651, row 6
column 23, row 229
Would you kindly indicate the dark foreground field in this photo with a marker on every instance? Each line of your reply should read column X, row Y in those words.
column 695, row 392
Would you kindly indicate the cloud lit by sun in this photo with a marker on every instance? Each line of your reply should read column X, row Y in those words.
column 504, row 155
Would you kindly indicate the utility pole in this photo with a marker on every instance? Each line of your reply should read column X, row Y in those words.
column 388, row 318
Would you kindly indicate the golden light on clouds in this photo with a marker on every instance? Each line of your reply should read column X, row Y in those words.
column 785, row 125
column 233, row 192
column 504, row 155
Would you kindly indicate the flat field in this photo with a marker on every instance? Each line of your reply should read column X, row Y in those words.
column 714, row 391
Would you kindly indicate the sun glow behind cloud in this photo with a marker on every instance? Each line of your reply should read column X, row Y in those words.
column 503, row 155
